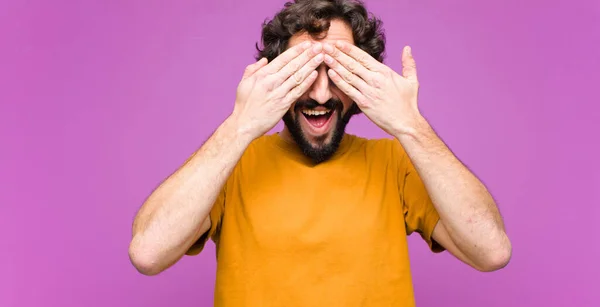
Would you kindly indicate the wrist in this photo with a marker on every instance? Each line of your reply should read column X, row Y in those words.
column 238, row 129
column 417, row 129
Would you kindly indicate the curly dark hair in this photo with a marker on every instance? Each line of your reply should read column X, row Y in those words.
column 313, row 17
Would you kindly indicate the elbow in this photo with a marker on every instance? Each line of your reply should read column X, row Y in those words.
column 497, row 259
column 145, row 266
column 144, row 260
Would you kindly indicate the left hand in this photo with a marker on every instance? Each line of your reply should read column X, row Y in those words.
column 385, row 97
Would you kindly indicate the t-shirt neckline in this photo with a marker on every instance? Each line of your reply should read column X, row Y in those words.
column 291, row 147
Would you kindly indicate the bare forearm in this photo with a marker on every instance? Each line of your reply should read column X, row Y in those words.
column 170, row 220
column 466, row 208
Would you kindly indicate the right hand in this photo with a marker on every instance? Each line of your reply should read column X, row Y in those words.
column 267, row 91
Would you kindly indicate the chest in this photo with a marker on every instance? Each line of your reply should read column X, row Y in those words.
column 301, row 208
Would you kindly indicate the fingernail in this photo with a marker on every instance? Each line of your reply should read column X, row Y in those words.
column 328, row 59
column 319, row 58
column 328, row 48
column 306, row 45
column 339, row 44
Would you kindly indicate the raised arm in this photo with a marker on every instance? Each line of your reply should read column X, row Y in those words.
column 176, row 214
column 470, row 225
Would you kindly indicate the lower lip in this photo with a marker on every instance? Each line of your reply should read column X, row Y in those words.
column 317, row 131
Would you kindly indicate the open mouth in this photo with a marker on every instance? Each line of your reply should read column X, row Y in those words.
column 318, row 120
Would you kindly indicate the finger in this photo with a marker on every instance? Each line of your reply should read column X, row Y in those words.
column 345, row 87
column 301, row 88
column 409, row 66
column 287, row 56
column 294, row 67
column 346, row 75
column 351, row 65
column 359, row 55
column 300, row 75
column 252, row 68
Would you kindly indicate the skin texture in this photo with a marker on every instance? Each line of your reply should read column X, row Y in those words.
column 322, row 89
column 176, row 214
column 470, row 226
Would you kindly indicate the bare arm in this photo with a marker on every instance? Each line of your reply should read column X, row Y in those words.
column 470, row 225
column 176, row 214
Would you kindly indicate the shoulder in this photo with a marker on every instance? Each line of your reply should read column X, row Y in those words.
column 381, row 147
column 385, row 152
column 262, row 148
column 268, row 144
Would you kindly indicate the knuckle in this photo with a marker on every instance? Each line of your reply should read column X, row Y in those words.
column 375, row 66
column 351, row 66
column 299, row 90
column 375, row 95
column 362, row 59
column 363, row 103
column 297, row 77
column 376, row 81
column 308, row 54
column 348, row 77
column 335, row 53
column 294, row 66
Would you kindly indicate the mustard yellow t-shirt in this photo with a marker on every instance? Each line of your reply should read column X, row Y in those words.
column 289, row 233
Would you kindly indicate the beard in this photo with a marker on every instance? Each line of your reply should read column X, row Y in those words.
column 322, row 150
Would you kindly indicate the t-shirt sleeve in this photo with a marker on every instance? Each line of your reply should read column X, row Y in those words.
column 420, row 214
column 216, row 215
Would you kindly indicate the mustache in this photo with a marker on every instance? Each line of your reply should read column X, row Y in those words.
column 331, row 104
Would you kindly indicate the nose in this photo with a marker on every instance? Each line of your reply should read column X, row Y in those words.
column 320, row 91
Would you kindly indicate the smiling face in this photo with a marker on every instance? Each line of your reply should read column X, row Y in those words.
column 317, row 121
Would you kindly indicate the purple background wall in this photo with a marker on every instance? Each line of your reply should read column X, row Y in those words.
column 100, row 100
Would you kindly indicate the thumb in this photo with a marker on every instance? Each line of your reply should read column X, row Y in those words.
column 252, row 68
column 409, row 66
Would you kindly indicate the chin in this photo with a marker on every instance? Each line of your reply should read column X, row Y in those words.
column 318, row 131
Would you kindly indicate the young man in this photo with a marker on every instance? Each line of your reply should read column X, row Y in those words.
column 312, row 216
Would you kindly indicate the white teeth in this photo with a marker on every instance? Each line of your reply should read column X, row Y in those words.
column 315, row 113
